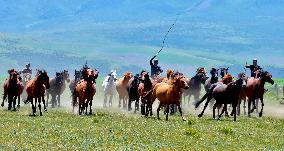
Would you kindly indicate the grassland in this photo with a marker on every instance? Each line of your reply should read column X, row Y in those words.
column 113, row 129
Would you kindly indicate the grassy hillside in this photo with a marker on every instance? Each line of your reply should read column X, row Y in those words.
column 110, row 130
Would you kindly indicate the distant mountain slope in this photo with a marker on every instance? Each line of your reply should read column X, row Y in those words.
column 124, row 34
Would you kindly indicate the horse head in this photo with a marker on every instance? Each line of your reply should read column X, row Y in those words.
column 180, row 81
column 267, row 77
column 128, row 75
column 43, row 77
column 228, row 78
column 66, row 75
column 170, row 73
column 224, row 71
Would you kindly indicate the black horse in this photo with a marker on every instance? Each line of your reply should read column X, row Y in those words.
column 195, row 86
column 133, row 92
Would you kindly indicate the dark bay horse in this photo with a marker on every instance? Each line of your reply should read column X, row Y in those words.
column 255, row 90
column 36, row 90
column 225, row 94
column 226, row 80
column 133, row 93
column 145, row 92
column 85, row 90
column 57, row 87
column 74, row 82
column 194, row 84
column 13, row 88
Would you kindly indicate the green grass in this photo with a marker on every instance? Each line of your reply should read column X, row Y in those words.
column 117, row 130
column 59, row 130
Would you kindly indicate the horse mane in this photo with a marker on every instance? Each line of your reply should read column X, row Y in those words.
column 170, row 72
column 227, row 79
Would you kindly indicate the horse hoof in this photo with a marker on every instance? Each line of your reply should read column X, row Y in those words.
column 45, row 110
column 40, row 114
column 184, row 119
column 18, row 106
column 159, row 118
column 260, row 114
column 2, row 104
column 200, row 115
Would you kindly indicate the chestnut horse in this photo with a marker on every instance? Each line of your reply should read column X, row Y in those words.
column 36, row 90
column 255, row 90
column 57, row 87
column 121, row 88
column 85, row 91
column 169, row 94
column 13, row 88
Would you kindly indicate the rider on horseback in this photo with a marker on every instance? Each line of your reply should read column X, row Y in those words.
column 27, row 69
column 254, row 68
column 155, row 69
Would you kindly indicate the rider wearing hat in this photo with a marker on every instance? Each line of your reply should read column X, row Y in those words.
column 254, row 68
column 27, row 69
column 155, row 69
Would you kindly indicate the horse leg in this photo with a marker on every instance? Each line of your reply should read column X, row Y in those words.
column 9, row 102
column 4, row 98
column 256, row 104
column 205, row 106
column 244, row 106
column 19, row 101
column 58, row 98
column 223, row 110
column 86, row 106
column 39, row 106
column 14, row 102
column 142, row 106
column 167, row 111
column 119, row 103
column 239, row 107
column 235, row 111
column 158, row 111
column 180, row 111
column 214, row 108
column 125, row 103
column 262, row 104
column 91, row 103
column 33, row 105
column 110, row 100
column 105, row 101
column 43, row 102
column 129, row 103
column 137, row 104
column 53, row 101
column 47, row 98
column 249, row 106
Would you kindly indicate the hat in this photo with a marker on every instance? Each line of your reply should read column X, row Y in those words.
column 155, row 60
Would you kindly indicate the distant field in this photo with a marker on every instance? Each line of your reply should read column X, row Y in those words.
column 114, row 129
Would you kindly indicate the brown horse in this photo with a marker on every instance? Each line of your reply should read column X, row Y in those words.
column 85, row 91
column 36, row 90
column 13, row 88
column 255, row 90
column 169, row 94
column 57, row 86
column 121, row 88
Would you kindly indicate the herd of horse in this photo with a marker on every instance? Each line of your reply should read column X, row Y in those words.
column 144, row 90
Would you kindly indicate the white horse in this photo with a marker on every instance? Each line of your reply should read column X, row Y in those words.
column 109, row 86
